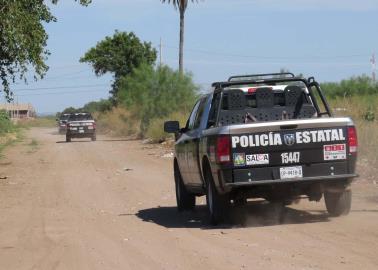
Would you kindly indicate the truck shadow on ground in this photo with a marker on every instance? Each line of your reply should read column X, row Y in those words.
column 87, row 141
column 98, row 140
column 251, row 215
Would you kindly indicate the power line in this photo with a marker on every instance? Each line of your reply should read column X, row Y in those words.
column 62, row 76
column 266, row 57
column 66, row 74
column 60, row 87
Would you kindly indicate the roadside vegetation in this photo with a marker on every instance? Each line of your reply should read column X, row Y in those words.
column 45, row 121
column 9, row 133
column 12, row 132
column 357, row 97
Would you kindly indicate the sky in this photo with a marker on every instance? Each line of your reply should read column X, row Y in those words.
column 329, row 39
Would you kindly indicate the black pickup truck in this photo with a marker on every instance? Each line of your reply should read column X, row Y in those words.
column 270, row 136
column 62, row 123
column 80, row 125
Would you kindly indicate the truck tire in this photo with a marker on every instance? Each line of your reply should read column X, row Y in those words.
column 217, row 204
column 68, row 138
column 338, row 204
column 93, row 138
column 185, row 200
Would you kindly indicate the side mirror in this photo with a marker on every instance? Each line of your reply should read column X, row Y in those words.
column 171, row 126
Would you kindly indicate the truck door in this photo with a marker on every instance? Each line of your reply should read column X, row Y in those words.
column 193, row 146
column 182, row 146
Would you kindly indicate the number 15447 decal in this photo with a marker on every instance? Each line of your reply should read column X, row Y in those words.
column 290, row 157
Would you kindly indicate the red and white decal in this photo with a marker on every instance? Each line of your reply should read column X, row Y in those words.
column 334, row 152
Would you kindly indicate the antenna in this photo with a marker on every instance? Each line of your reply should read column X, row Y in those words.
column 373, row 66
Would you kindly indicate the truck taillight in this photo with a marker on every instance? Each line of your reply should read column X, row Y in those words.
column 223, row 149
column 94, row 125
column 352, row 139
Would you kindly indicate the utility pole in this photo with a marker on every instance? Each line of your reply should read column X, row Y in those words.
column 373, row 66
column 161, row 52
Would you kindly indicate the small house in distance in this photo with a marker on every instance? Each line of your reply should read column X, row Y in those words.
column 19, row 111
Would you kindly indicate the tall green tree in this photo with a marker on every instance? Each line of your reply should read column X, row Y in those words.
column 119, row 55
column 181, row 5
column 23, row 39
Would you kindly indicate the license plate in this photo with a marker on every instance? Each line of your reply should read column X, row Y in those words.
column 291, row 172
column 81, row 131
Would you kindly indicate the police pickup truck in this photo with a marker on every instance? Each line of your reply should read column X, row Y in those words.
column 80, row 125
column 270, row 136
column 62, row 123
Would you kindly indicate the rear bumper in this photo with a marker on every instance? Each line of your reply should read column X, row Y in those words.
column 86, row 134
column 259, row 176
column 295, row 180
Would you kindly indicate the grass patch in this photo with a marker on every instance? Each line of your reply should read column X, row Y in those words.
column 48, row 122
column 155, row 131
column 118, row 122
column 10, row 139
column 364, row 112
column 9, row 132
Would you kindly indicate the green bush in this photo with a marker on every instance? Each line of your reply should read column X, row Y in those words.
column 355, row 86
column 369, row 115
column 6, row 124
column 151, row 93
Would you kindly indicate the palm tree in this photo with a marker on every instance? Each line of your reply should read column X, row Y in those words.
column 181, row 5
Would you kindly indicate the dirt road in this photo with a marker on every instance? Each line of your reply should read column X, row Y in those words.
column 110, row 205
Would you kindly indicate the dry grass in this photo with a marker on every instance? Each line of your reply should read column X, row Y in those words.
column 118, row 122
column 155, row 131
column 49, row 121
column 367, row 131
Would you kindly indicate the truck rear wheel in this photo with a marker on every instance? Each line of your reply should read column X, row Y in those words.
column 68, row 138
column 339, row 203
column 217, row 204
column 185, row 200
column 93, row 138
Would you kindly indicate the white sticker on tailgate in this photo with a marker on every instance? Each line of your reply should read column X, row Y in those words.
column 257, row 159
column 334, row 152
column 291, row 172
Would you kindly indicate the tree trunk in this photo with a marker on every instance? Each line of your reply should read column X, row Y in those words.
column 181, row 52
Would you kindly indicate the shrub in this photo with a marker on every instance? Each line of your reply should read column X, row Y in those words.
column 6, row 124
column 118, row 122
column 155, row 93
column 155, row 130
column 355, row 86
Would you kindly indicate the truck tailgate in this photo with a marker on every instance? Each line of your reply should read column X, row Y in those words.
column 295, row 149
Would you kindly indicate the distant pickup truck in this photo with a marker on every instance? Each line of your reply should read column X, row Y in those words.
column 62, row 123
column 270, row 136
column 81, row 125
